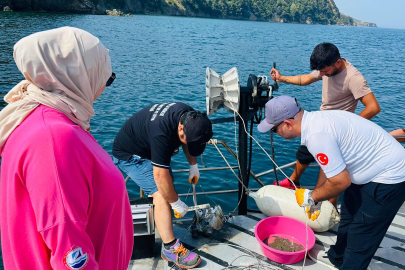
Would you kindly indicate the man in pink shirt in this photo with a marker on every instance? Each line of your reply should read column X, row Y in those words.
column 64, row 204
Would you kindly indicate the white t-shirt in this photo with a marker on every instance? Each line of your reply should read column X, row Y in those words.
column 340, row 139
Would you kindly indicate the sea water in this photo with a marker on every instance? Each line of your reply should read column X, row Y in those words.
column 163, row 59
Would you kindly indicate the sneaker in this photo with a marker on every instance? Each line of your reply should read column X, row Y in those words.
column 286, row 183
column 321, row 256
column 180, row 255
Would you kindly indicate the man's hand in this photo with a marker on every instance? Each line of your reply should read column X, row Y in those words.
column 275, row 74
column 303, row 197
column 314, row 211
column 179, row 208
column 193, row 174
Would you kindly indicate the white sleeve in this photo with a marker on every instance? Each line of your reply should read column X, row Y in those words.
column 324, row 148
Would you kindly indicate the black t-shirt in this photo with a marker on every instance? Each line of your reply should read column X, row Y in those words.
column 151, row 133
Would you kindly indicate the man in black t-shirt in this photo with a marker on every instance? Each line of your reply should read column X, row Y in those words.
column 143, row 149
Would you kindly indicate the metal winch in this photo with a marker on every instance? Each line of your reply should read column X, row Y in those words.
column 206, row 218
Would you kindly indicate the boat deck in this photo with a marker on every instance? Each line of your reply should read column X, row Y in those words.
column 235, row 245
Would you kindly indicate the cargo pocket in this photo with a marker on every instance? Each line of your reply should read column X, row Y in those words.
column 370, row 220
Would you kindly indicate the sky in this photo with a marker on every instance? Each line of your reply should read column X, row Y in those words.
column 385, row 13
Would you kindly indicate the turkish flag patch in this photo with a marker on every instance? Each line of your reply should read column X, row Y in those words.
column 322, row 159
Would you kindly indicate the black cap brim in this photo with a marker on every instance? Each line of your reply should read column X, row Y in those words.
column 196, row 149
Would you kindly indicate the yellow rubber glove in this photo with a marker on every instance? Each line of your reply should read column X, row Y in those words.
column 304, row 199
column 313, row 211
column 193, row 174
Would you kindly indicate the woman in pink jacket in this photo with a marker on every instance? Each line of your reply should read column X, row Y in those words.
column 63, row 202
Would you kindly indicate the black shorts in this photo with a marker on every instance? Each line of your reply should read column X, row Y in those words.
column 304, row 156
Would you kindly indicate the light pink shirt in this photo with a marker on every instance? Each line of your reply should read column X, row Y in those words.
column 343, row 90
column 64, row 204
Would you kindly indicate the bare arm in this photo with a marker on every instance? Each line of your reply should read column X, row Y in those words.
column 321, row 179
column 332, row 187
column 191, row 160
column 164, row 183
column 372, row 108
column 296, row 80
column 398, row 132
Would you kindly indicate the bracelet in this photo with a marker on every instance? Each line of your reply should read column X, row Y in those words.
column 299, row 80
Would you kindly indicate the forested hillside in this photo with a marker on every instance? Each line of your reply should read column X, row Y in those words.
column 297, row 11
column 302, row 11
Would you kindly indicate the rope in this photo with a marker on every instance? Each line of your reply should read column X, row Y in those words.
column 214, row 142
column 306, row 244
column 258, row 266
column 244, row 127
column 207, row 195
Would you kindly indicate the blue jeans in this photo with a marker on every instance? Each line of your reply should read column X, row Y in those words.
column 140, row 170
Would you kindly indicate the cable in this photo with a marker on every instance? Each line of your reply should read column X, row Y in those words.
column 250, row 151
column 275, row 171
column 272, row 155
column 231, row 264
column 207, row 195
column 259, row 264
column 214, row 142
column 306, row 245
column 237, row 155
column 244, row 127
column 265, row 151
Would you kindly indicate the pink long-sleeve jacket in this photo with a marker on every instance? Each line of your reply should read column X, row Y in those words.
column 64, row 204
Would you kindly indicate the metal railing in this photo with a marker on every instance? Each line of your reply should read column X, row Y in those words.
column 254, row 176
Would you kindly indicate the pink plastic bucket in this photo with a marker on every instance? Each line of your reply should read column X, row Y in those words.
column 284, row 227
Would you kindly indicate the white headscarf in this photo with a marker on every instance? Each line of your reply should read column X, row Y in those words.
column 64, row 69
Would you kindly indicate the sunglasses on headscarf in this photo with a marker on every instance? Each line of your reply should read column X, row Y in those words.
column 110, row 80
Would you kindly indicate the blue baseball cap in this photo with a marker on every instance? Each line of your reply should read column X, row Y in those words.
column 278, row 109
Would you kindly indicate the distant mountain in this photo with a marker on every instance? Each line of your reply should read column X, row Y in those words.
column 293, row 11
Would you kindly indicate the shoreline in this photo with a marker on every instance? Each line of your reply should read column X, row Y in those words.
column 360, row 23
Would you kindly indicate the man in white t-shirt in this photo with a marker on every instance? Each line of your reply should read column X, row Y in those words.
column 357, row 157
column 342, row 88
